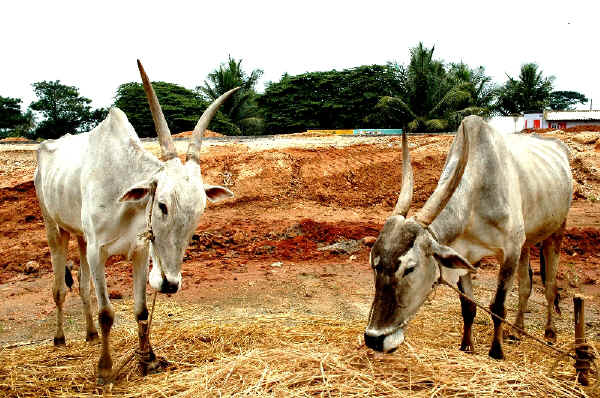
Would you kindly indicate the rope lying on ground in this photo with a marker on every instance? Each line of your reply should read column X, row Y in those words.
column 588, row 358
column 512, row 325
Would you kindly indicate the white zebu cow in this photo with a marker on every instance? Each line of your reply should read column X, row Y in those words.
column 118, row 198
column 497, row 195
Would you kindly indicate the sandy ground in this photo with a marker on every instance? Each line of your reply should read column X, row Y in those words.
column 258, row 253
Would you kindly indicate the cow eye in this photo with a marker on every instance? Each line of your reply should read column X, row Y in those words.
column 163, row 208
column 408, row 270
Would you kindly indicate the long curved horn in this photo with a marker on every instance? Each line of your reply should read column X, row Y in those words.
column 406, row 193
column 162, row 130
column 448, row 182
column 193, row 152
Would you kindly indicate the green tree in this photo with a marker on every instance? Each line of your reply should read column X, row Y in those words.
column 530, row 92
column 63, row 109
column 480, row 86
column 329, row 100
column 182, row 108
column 565, row 100
column 482, row 91
column 436, row 99
column 241, row 108
column 12, row 121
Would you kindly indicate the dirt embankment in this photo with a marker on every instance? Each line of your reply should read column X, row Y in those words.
column 288, row 203
column 207, row 133
column 585, row 162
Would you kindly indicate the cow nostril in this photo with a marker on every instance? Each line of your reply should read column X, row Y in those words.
column 168, row 287
column 374, row 342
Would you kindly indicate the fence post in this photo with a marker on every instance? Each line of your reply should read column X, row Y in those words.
column 582, row 363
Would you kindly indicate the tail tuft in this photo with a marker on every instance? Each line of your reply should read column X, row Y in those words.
column 68, row 276
column 557, row 302
column 542, row 264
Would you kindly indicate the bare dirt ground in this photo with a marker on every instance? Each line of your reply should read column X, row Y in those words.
column 259, row 252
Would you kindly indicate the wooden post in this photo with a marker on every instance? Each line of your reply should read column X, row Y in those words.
column 582, row 364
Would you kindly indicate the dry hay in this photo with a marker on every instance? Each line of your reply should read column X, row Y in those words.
column 295, row 355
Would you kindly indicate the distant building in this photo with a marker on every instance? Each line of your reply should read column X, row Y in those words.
column 560, row 119
column 534, row 120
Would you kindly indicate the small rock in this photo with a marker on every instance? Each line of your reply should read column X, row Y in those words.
column 31, row 267
column 343, row 247
column 586, row 138
column 277, row 264
column 238, row 237
column 368, row 241
column 352, row 258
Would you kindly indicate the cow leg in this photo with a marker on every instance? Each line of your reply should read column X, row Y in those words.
column 147, row 359
column 469, row 310
column 505, row 280
column 551, row 253
column 524, row 272
column 106, row 315
column 84, row 290
column 58, row 241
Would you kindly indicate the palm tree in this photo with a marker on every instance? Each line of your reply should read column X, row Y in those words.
column 531, row 92
column 241, row 109
column 482, row 90
column 435, row 99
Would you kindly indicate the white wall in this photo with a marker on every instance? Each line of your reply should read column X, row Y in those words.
column 506, row 124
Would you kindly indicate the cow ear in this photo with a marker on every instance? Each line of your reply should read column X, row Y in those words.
column 450, row 258
column 215, row 193
column 136, row 192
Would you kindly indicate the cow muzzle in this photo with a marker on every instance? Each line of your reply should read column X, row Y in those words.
column 386, row 343
column 164, row 283
column 169, row 287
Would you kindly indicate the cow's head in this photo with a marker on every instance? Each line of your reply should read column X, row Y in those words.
column 407, row 259
column 176, row 196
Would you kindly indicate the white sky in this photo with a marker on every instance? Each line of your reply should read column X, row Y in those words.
column 94, row 45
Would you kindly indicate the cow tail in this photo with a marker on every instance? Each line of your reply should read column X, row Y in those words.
column 542, row 265
column 68, row 276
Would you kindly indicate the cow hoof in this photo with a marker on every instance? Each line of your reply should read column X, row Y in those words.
column 59, row 341
column 91, row 337
column 101, row 381
column 104, row 377
column 153, row 366
column 512, row 336
column 496, row 351
column 550, row 335
column 468, row 348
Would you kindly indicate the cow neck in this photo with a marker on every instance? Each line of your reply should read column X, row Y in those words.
column 451, row 223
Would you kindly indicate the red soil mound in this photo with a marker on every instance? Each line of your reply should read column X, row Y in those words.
column 207, row 133
column 582, row 128
column 574, row 129
column 9, row 139
column 22, row 226
column 262, row 222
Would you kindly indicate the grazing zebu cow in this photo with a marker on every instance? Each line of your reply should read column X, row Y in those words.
column 118, row 198
column 497, row 195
